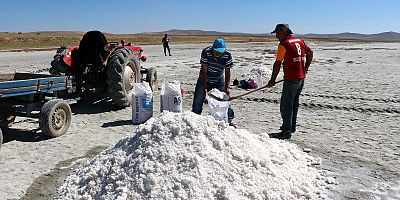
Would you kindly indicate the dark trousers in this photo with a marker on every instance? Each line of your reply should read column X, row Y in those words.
column 165, row 49
column 290, row 104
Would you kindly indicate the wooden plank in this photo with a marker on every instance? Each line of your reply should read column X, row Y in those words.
column 25, row 76
column 6, row 77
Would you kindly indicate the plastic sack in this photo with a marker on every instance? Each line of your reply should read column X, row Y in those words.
column 249, row 84
column 243, row 84
column 218, row 109
column 142, row 103
column 171, row 97
column 252, row 84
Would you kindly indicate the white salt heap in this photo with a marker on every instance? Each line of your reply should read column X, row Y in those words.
column 259, row 71
column 264, row 72
column 188, row 156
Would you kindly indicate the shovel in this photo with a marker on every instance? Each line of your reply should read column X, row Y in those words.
column 220, row 98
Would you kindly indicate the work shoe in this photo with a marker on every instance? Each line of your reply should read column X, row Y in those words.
column 281, row 129
column 233, row 125
column 281, row 135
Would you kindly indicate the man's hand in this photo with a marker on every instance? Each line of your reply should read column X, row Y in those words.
column 275, row 72
column 271, row 83
column 227, row 91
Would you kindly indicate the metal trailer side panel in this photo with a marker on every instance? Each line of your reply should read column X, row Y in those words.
column 46, row 84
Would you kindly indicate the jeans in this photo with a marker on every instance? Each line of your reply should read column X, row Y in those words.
column 198, row 99
column 290, row 104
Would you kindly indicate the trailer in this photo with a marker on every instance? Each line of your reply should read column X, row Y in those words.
column 36, row 96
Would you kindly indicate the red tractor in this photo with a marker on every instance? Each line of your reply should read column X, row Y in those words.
column 99, row 66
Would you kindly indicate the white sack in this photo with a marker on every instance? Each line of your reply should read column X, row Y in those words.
column 171, row 97
column 142, row 103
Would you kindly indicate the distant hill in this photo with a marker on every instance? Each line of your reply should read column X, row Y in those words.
column 385, row 36
column 194, row 32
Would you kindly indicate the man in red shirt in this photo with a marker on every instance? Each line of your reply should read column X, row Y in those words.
column 296, row 57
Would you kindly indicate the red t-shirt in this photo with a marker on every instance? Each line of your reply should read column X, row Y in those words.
column 292, row 52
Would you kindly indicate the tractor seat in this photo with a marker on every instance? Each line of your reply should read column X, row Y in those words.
column 93, row 48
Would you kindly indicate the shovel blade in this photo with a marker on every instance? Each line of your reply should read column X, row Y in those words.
column 218, row 95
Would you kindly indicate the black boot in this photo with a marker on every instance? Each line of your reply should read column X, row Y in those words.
column 281, row 135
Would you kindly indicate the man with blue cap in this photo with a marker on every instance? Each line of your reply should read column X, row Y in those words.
column 216, row 61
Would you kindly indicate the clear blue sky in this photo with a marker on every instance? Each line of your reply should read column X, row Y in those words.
column 251, row 16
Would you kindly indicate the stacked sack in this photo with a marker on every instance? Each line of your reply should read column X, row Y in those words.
column 142, row 103
column 171, row 98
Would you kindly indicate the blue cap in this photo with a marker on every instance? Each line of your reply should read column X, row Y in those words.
column 219, row 45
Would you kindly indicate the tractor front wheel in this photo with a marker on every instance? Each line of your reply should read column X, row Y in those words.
column 151, row 78
column 123, row 72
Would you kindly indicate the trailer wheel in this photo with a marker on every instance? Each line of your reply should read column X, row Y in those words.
column 123, row 71
column 55, row 118
column 6, row 120
column 151, row 78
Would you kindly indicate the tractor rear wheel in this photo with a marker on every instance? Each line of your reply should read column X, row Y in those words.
column 151, row 78
column 123, row 72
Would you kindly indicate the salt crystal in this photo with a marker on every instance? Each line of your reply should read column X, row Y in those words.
column 330, row 180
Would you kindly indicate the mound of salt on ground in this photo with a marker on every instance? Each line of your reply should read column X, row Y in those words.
column 261, row 71
column 187, row 156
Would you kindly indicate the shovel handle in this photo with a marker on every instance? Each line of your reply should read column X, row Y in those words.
column 244, row 94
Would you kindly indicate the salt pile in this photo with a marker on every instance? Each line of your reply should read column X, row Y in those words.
column 188, row 156
column 259, row 71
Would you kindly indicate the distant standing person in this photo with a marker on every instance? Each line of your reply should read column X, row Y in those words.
column 296, row 57
column 165, row 41
column 216, row 61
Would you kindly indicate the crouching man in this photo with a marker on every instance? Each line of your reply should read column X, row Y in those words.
column 216, row 63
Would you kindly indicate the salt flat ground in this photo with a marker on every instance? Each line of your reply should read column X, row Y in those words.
column 349, row 117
